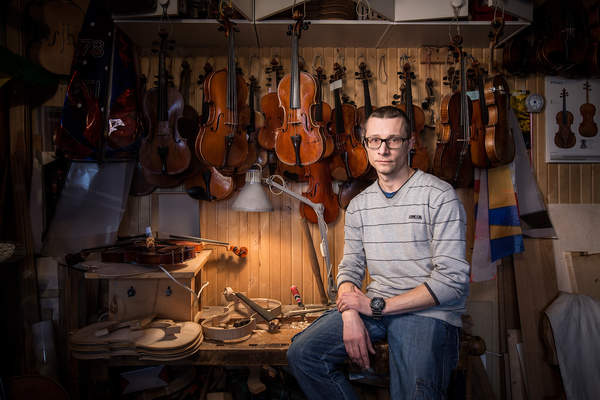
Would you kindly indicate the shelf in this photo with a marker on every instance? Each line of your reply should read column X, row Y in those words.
column 188, row 33
column 197, row 33
column 323, row 33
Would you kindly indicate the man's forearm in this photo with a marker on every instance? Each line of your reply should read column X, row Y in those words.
column 415, row 299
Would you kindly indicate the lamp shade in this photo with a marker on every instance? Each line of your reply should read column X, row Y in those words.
column 252, row 196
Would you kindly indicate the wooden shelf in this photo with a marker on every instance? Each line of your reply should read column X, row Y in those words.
column 189, row 33
column 198, row 33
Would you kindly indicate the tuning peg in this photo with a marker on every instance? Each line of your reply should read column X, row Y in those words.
column 396, row 96
column 394, row 102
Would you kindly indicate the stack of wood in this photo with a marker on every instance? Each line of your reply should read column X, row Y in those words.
column 144, row 339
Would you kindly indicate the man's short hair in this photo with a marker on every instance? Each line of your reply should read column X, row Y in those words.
column 387, row 112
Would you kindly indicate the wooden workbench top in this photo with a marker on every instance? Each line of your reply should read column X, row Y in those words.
column 102, row 270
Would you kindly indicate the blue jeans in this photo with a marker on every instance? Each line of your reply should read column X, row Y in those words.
column 423, row 353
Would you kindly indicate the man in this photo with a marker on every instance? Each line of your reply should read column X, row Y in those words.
column 408, row 227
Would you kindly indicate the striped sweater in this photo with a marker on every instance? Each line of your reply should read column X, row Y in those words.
column 415, row 237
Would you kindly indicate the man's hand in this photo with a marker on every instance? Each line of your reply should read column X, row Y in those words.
column 356, row 339
column 354, row 300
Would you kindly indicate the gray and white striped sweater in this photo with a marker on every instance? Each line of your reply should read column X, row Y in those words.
column 417, row 236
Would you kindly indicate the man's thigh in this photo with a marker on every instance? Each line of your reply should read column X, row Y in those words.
column 423, row 353
column 325, row 336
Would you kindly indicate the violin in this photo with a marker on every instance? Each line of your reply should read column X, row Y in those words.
column 416, row 121
column 188, row 124
column 350, row 158
column 499, row 141
column 269, row 104
column 255, row 123
column 364, row 74
column 587, row 127
column 208, row 69
column 299, row 141
column 564, row 137
column 163, row 151
column 319, row 191
column 480, row 118
column 241, row 252
column 452, row 161
column 222, row 142
column 427, row 104
column 350, row 189
column 321, row 113
column 209, row 184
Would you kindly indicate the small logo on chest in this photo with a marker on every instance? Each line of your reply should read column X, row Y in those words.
column 415, row 217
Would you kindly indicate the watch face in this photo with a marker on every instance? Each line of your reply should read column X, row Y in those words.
column 377, row 303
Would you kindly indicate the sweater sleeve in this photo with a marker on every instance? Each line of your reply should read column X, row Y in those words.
column 353, row 264
column 449, row 278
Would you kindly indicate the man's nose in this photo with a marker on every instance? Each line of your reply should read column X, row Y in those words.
column 383, row 149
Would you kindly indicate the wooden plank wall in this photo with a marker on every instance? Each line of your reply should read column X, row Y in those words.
column 277, row 247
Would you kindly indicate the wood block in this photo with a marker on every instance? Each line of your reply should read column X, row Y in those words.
column 536, row 289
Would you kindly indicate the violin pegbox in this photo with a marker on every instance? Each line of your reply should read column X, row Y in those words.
column 335, row 80
column 363, row 73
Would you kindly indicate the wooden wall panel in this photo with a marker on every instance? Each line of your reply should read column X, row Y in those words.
column 278, row 248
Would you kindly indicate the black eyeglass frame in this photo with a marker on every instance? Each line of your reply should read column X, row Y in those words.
column 387, row 143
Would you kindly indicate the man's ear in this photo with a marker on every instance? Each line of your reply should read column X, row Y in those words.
column 412, row 141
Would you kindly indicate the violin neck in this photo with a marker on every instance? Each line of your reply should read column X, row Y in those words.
column 231, row 74
column 464, row 109
column 295, row 76
column 368, row 106
column 251, row 125
column 339, row 115
column 409, row 108
column 162, row 88
column 319, row 106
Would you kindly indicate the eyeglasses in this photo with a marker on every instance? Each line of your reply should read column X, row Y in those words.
column 393, row 142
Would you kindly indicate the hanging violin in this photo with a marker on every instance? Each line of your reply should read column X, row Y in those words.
column 163, row 151
column 350, row 157
column 319, row 191
column 480, row 118
column 269, row 104
column 300, row 141
column 255, row 123
column 208, row 69
column 321, row 113
column 222, row 141
column 416, row 121
column 564, row 137
column 452, row 161
column 499, row 140
column 364, row 74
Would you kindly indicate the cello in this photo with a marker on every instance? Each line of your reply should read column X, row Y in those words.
column 163, row 151
column 416, row 121
column 222, row 140
column 350, row 158
column 452, row 161
column 300, row 141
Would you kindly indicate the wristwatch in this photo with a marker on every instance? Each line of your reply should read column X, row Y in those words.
column 377, row 306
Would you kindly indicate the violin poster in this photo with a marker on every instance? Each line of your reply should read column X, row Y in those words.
column 572, row 120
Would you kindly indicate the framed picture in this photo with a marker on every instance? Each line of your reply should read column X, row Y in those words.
column 574, row 138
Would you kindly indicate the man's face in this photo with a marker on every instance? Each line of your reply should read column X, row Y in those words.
column 386, row 160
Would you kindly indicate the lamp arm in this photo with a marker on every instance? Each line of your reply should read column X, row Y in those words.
column 318, row 208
